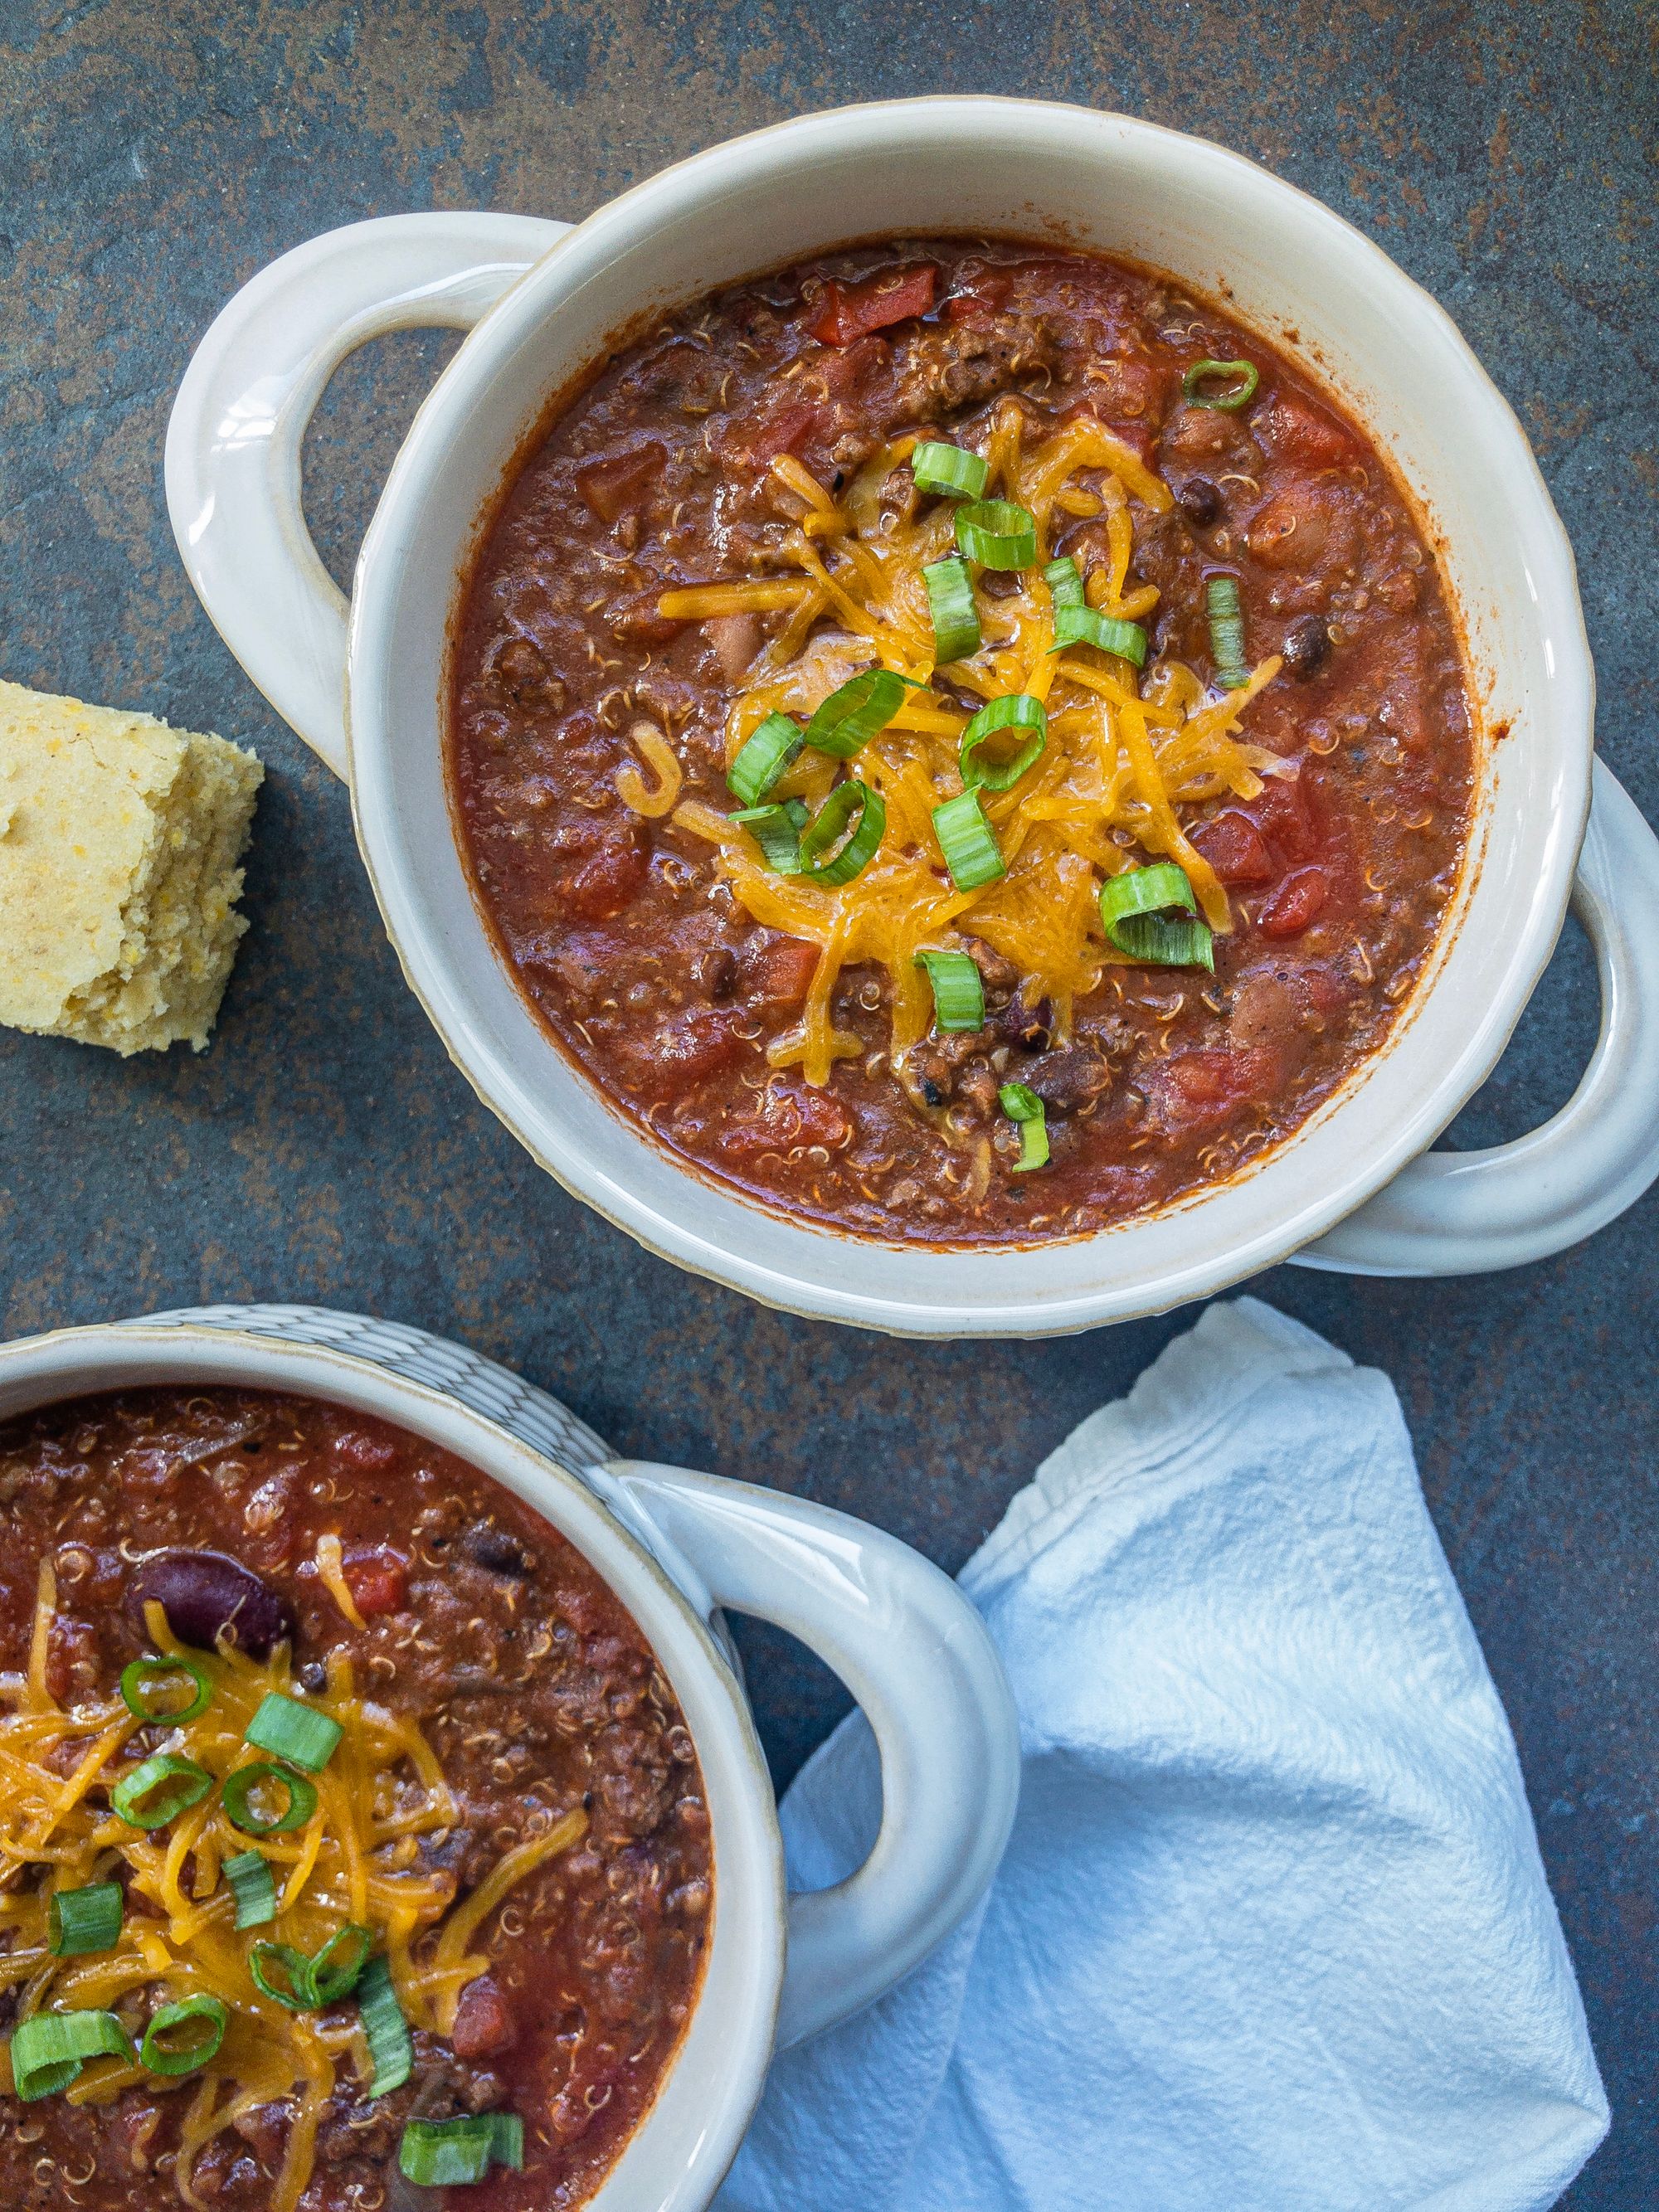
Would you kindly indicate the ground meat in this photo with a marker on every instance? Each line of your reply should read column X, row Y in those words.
column 946, row 371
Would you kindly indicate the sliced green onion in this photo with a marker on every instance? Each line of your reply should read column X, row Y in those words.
column 390, row 2049
column 948, row 469
column 1065, row 581
column 1227, row 632
column 182, row 2038
column 855, row 710
column 159, row 1789
column 1018, row 711
column 240, row 1808
column 1021, row 1104
column 997, row 534
column 250, row 1885
column 776, row 830
column 291, row 1986
column 334, row 1971
column 144, row 1676
column 49, row 2049
column 79, row 1920
column 1108, row 632
column 1245, row 375
column 958, row 992
column 448, row 2154
column 297, row 1733
column 763, row 757
column 965, row 837
column 950, row 603
column 1152, row 914
column 830, row 822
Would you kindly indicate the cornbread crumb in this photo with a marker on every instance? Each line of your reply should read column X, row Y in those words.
column 119, row 843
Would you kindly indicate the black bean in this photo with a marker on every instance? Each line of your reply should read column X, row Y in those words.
column 205, row 1595
column 1199, row 500
column 1307, row 647
column 494, row 1548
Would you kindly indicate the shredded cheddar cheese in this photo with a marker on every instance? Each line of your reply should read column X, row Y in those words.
column 356, row 1859
column 1125, row 759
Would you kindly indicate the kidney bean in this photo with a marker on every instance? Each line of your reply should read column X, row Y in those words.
column 205, row 1595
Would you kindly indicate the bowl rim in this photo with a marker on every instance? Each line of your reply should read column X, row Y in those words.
column 751, row 1901
column 610, row 228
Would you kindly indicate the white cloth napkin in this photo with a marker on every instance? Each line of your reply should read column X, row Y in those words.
column 1272, row 1934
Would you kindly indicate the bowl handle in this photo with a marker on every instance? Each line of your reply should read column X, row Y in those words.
column 235, row 438
column 1461, row 1213
column 918, row 1659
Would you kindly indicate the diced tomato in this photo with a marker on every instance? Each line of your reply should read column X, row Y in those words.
column 609, row 872
column 696, row 1046
column 378, row 1580
column 777, row 971
column 362, row 1453
column 842, row 312
column 483, row 2021
column 1232, row 845
column 615, row 482
column 785, row 1119
column 1282, row 815
column 981, row 297
column 1294, row 429
column 1297, row 903
column 1208, row 1086
column 786, row 430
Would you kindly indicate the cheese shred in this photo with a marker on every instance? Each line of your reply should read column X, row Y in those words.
column 357, row 1859
column 1128, row 759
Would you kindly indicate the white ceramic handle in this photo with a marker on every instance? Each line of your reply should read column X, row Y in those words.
column 235, row 437
column 1461, row 1213
column 916, row 1656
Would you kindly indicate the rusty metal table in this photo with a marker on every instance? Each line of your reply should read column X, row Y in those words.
column 152, row 156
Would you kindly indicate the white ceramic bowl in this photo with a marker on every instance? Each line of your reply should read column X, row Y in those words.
column 677, row 1547
column 542, row 300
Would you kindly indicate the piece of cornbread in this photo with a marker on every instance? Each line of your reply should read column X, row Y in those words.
column 119, row 843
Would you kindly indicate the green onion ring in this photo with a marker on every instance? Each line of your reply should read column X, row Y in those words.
column 142, row 1673
column 1226, row 632
column 1022, row 1105
column 1018, row 711
column 1152, row 914
column 846, row 800
column 776, row 830
column 298, row 1733
column 391, row 2050
column 330, row 1977
column 950, row 603
column 158, row 1789
column 237, row 1797
column 971, row 852
column 83, row 1920
column 49, row 2049
column 1065, row 581
column 251, row 1886
column 856, row 710
column 958, row 990
column 449, row 2153
column 1237, row 394
column 997, row 534
column 1107, row 633
column 948, row 469
column 296, row 1970
column 762, row 757
column 160, row 2055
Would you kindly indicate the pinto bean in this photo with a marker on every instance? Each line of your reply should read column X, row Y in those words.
column 206, row 1595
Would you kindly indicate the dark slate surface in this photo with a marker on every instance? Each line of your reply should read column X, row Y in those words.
column 152, row 156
